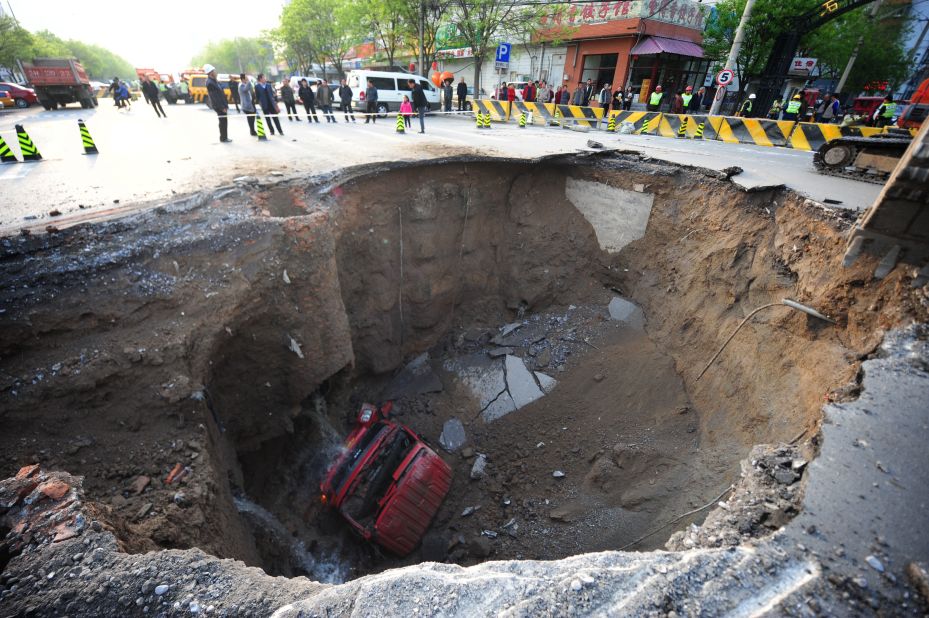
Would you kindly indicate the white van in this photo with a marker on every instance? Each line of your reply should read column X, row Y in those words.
column 390, row 89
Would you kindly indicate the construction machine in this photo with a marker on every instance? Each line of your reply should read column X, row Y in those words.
column 874, row 157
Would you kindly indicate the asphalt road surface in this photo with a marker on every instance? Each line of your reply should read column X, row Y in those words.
column 144, row 159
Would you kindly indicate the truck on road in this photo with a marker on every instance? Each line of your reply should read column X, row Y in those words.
column 59, row 81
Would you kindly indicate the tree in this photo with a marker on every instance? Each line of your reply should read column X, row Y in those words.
column 385, row 21
column 482, row 21
column 238, row 55
column 325, row 29
column 15, row 43
column 434, row 13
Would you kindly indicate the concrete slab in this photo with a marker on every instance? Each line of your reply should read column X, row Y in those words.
column 417, row 378
column 453, row 435
column 520, row 383
column 617, row 216
column 548, row 383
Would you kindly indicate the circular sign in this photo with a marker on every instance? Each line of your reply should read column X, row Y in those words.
column 725, row 77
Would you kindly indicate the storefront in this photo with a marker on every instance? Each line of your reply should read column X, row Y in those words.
column 636, row 43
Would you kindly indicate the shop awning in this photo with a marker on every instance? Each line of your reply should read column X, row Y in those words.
column 662, row 45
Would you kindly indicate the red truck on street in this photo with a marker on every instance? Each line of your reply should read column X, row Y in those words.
column 59, row 81
column 387, row 483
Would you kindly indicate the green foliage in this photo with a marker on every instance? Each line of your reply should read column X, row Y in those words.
column 238, row 55
column 881, row 56
column 15, row 42
column 319, row 30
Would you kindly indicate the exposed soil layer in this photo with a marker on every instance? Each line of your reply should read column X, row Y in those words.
column 206, row 356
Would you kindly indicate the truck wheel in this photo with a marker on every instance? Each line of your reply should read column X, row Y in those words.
column 47, row 107
column 54, row 104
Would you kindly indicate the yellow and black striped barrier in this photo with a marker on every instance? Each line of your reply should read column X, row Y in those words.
column 583, row 116
column 542, row 113
column 499, row 111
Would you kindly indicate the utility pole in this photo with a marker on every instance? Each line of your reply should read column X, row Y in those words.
column 736, row 48
column 422, row 34
column 854, row 56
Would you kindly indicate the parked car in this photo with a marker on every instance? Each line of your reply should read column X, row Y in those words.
column 6, row 100
column 387, row 483
column 22, row 97
column 390, row 89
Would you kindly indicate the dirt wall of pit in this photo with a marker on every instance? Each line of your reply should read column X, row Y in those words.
column 191, row 334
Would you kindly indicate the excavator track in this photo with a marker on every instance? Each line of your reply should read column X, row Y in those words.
column 837, row 157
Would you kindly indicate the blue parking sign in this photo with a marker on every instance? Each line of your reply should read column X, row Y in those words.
column 503, row 52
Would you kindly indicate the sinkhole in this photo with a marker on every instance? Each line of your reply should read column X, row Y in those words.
column 551, row 316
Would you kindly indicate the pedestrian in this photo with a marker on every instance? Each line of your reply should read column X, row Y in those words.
column 605, row 97
column 793, row 108
column 267, row 99
column 654, row 100
column 420, row 104
column 677, row 103
column 218, row 102
column 371, row 102
column 124, row 99
column 114, row 91
column 745, row 111
column 184, row 89
column 588, row 93
column 696, row 103
column 828, row 110
column 309, row 100
column 501, row 92
column 447, row 94
column 627, row 99
column 616, row 102
column 324, row 100
column 511, row 92
column 886, row 112
column 462, row 94
column 234, row 93
column 544, row 94
column 775, row 110
column 406, row 110
column 528, row 93
column 345, row 100
column 150, row 92
column 565, row 95
column 246, row 94
column 578, row 98
column 290, row 103
column 804, row 115
column 688, row 99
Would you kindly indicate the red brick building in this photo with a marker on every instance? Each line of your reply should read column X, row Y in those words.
column 641, row 43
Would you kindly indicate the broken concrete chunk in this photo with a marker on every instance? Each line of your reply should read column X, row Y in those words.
column 638, row 187
column 547, row 383
column 785, row 477
column 285, row 277
column 453, row 436
column 594, row 144
column 510, row 328
column 140, row 483
column 621, row 309
column 470, row 510
column 558, row 474
column 498, row 352
column 520, row 383
column 295, row 347
column 416, row 378
column 477, row 469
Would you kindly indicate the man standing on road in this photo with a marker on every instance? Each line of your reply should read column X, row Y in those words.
column 247, row 97
column 447, row 95
column 654, row 100
column 345, row 98
column 588, row 93
column 264, row 92
column 234, row 93
column 370, row 103
column 544, row 93
column 604, row 98
column 420, row 104
column 308, row 97
column 324, row 98
column 688, row 98
column 287, row 95
column 218, row 102
column 462, row 94
column 828, row 110
column 793, row 108
column 150, row 91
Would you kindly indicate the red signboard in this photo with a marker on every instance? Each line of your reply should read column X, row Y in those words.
column 680, row 12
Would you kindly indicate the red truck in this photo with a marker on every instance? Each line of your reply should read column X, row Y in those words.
column 387, row 483
column 59, row 81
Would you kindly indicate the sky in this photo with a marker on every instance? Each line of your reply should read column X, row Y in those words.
column 162, row 34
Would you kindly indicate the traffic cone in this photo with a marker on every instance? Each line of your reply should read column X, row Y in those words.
column 479, row 118
column 400, row 125
column 89, row 146
column 6, row 155
column 487, row 120
column 260, row 128
column 30, row 152
column 699, row 133
column 557, row 116
column 611, row 125
column 682, row 132
column 522, row 120
column 644, row 128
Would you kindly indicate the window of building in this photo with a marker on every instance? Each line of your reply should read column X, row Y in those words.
column 599, row 68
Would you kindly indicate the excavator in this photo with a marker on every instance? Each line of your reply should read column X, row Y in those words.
column 873, row 158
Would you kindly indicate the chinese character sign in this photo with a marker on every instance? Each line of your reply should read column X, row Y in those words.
column 685, row 13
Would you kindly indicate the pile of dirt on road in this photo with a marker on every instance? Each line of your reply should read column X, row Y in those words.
column 197, row 363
